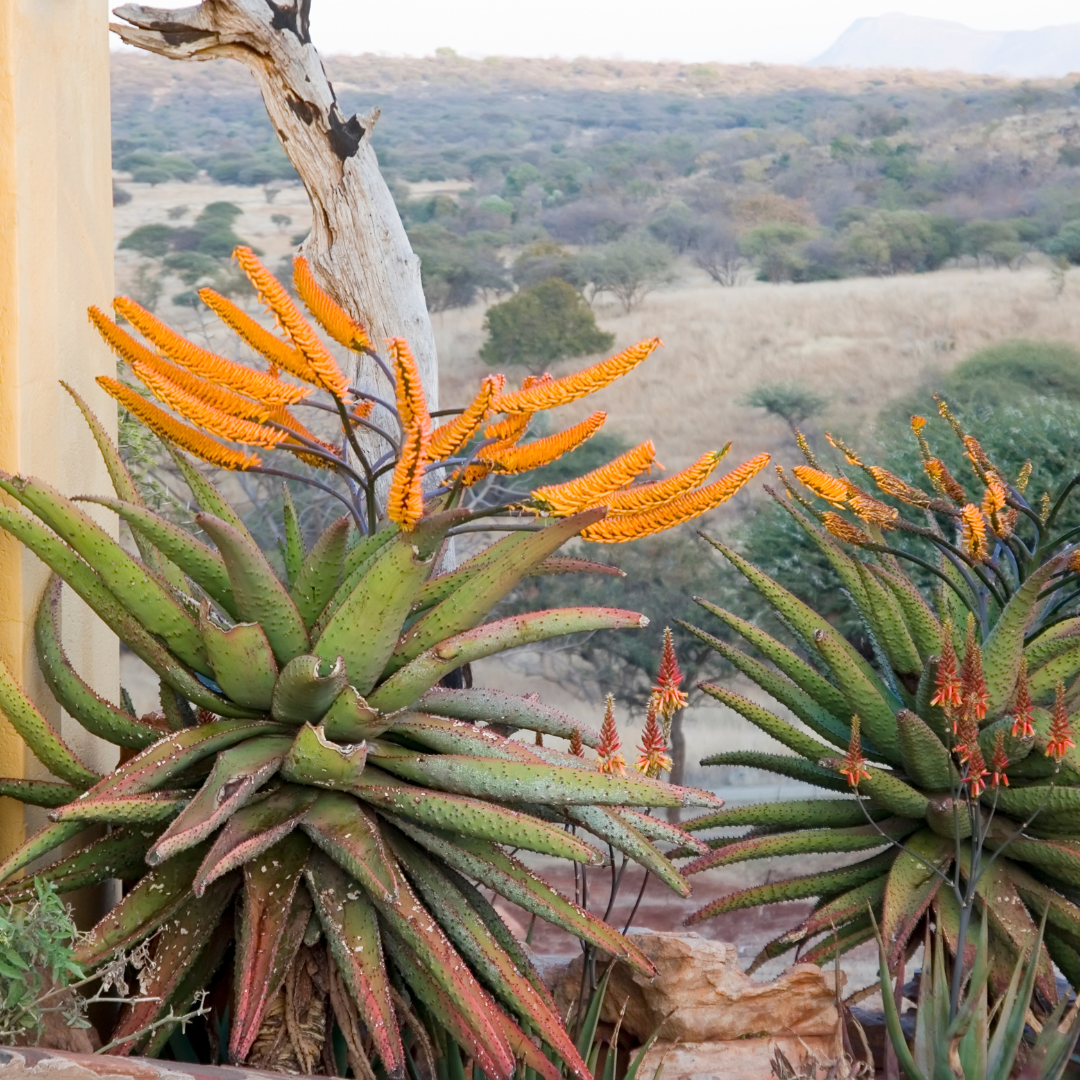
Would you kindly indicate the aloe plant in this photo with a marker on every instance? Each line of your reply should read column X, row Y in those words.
column 946, row 748
column 318, row 771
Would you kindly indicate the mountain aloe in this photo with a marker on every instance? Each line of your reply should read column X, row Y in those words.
column 320, row 771
column 946, row 745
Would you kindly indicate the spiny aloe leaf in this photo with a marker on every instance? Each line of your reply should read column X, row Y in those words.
column 41, row 843
column 97, row 715
column 801, row 888
column 889, row 791
column 350, row 719
column 200, row 562
column 242, row 660
column 155, row 898
column 922, row 623
column 38, row 792
column 491, row 866
column 1022, row 802
column 805, row 842
column 658, row 830
column 39, row 735
column 1017, row 747
column 260, row 596
column 349, row 834
column 911, row 888
column 1058, row 857
column 144, row 809
column 877, row 716
column 507, row 562
column 366, row 546
column 815, row 716
column 925, row 759
column 796, row 768
column 470, row 817
column 845, row 567
column 625, row 838
column 796, row 669
column 351, row 927
column 848, row 905
column 206, row 495
column 458, row 737
column 270, row 884
column 306, row 688
column 292, row 548
column 853, row 934
column 1053, row 640
column 1062, row 668
column 886, row 616
column 799, row 813
column 1065, row 956
column 516, row 782
column 132, row 583
column 934, row 716
column 251, row 830
column 1061, row 913
column 782, row 730
column 1004, row 647
column 182, row 938
column 507, row 710
column 322, row 572
column 313, row 759
column 237, row 774
column 421, row 674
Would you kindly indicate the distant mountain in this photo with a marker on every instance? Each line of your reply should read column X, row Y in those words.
column 907, row 41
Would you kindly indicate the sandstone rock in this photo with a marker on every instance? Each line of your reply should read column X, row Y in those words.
column 701, row 995
column 744, row 1059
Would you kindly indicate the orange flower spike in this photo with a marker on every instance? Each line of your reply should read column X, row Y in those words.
column 546, row 395
column 654, row 757
column 411, row 400
column 976, row 454
column 540, row 452
column 999, row 761
column 854, row 764
column 917, row 425
column 871, row 509
column 1024, row 477
column 243, row 380
column 947, row 687
column 122, row 343
column 577, row 748
column 333, row 318
column 976, row 770
column 899, row 489
column 670, row 699
column 685, row 508
column 509, row 430
column 405, row 502
column 1061, row 740
column 272, row 293
column 994, row 499
column 234, row 404
column 944, row 481
column 591, row 489
column 169, row 428
column 609, row 759
column 967, row 736
column 972, row 680
column 275, row 351
column 822, row 484
column 635, row 500
column 1022, row 715
column 844, row 530
column 973, row 532
column 448, row 439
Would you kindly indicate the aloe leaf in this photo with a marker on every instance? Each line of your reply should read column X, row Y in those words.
column 199, row 561
column 154, row 899
column 847, row 937
column 925, row 758
column 1066, row 956
column 131, row 582
column 805, row 842
column 1017, row 748
column 306, row 688
column 919, row 617
column 1062, row 668
column 911, row 888
column 322, row 572
column 827, row 882
column 358, row 561
column 508, row 710
column 815, row 716
column 350, row 719
column 457, row 737
column 889, row 791
column 260, row 596
column 46, row 839
column 796, row 768
column 292, row 549
column 206, row 495
column 352, row 930
column 39, row 735
column 1002, row 1051
column 243, row 662
column 422, row 673
column 892, row 1019
column 97, row 715
column 886, row 616
column 237, row 775
column 144, row 809
column 660, row 831
column 270, row 884
column 799, row 813
column 251, row 830
column 799, row 671
column 38, row 792
column 1059, row 857
column 182, row 938
column 587, row 1033
column 491, row 866
column 1052, row 641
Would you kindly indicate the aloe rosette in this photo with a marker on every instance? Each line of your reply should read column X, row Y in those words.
column 958, row 719
column 318, row 772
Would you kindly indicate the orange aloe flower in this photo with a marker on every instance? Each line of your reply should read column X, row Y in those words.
column 994, row 499
column 976, row 454
column 853, row 765
column 228, row 402
column 592, row 488
column 1022, row 715
column 844, row 530
column 272, row 293
column 967, row 736
column 448, row 439
column 899, row 489
column 947, row 681
column 333, row 318
column 972, row 680
column 654, row 758
column 243, row 380
column 669, row 698
column 944, row 481
column 973, row 531
column 405, row 502
column 608, row 758
column 1061, row 740
column 635, row 500
column 546, row 395
column 869, row 508
column 827, row 487
column 169, row 428
column 976, row 770
column 999, row 761
column 539, row 452
column 411, row 401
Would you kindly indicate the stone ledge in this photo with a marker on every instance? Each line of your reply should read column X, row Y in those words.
column 33, row 1063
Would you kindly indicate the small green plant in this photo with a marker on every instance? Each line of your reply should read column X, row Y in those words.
column 792, row 403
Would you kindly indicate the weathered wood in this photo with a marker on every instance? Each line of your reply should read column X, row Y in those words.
column 357, row 247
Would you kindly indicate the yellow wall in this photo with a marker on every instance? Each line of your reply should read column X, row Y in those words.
column 55, row 260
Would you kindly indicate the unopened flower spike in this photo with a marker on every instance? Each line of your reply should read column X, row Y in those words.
column 1061, row 740
column 999, row 761
column 849, row 454
column 829, row 488
column 972, row 679
column 577, row 748
column 608, row 756
column 1022, row 715
column 845, row 530
column 807, row 452
column 669, row 698
column 333, row 318
column 973, row 532
column 794, row 494
column 944, row 482
column 641, row 497
column 540, row 452
column 853, row 765
column 917, row 425
column 653, row 757
column 967, row 736
column 947, row 692
column 1024, row 477
column 976, row 771
column 891, row 484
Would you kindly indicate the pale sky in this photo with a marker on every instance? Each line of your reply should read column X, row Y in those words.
column 772, row 31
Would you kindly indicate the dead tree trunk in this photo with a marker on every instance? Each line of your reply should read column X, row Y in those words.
column 357, row 248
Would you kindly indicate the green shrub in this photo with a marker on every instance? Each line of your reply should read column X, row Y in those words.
column 152, row 240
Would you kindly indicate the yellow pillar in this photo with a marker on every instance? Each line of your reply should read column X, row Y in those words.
column 55, row 260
